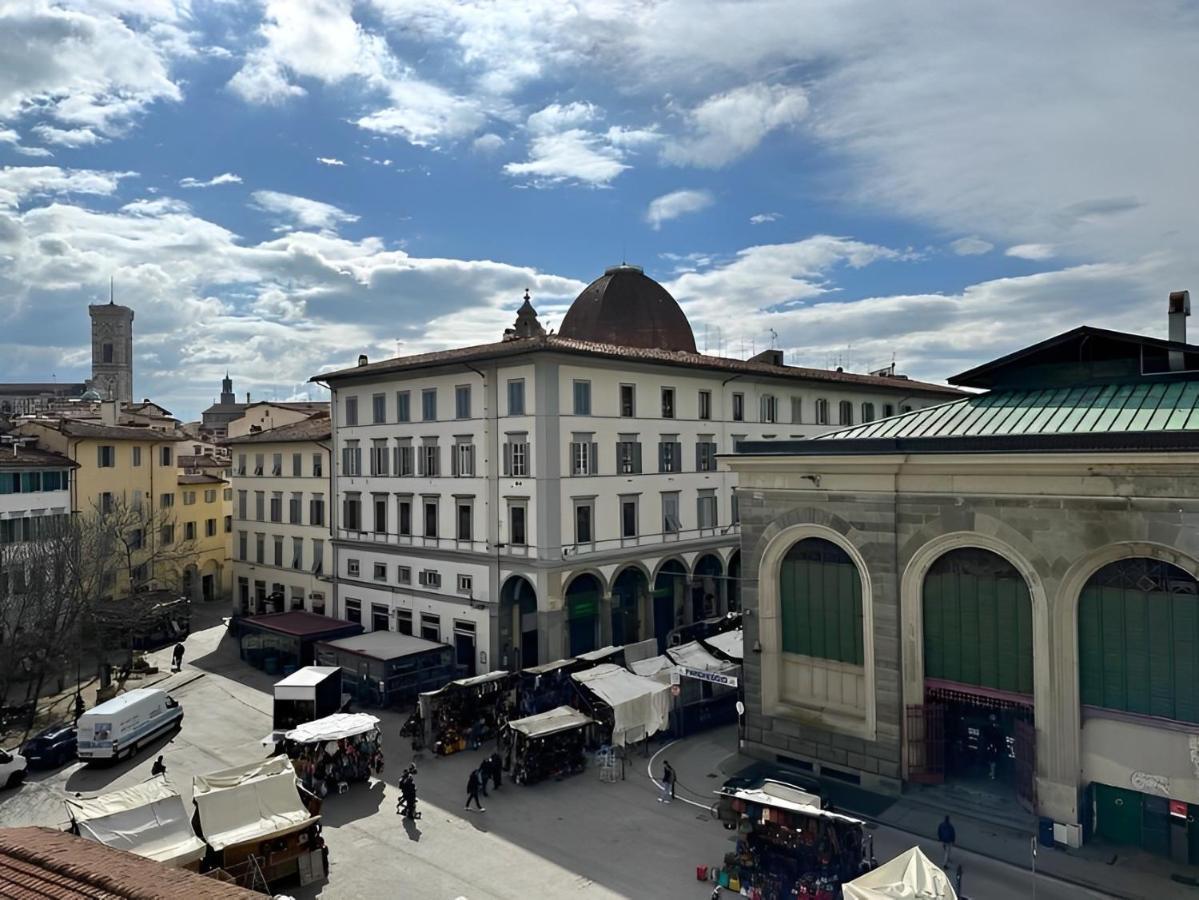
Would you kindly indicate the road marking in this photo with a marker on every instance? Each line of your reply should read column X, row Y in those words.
column 649, row 772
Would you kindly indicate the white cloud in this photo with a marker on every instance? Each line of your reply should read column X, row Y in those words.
column 19, row 183
column 69, row 137
column 726, row 126
column 1030, row 251
column 159, row 206
column 9, row 136
column 424, row 114
column 763, row 218
column 971, row 246
column 556, row 117
column 488, row 143
column 573, row 155
column 214, row 181
column 675, row 204
column 302, row 212
column 329, row 161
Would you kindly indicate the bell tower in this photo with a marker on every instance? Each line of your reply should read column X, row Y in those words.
column 112, row 351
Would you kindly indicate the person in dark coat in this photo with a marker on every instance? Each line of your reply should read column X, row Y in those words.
column 177, row 658
column 947, row 836
column 159, row 767
column 472, row 790
column 497, row 768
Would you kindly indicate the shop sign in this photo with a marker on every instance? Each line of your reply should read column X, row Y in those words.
column 1178, row 809
column 704, row 675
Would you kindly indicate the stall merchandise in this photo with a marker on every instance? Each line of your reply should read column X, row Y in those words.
column 334, row 752
column 787, row 846
column 466, row 713
column 148, row 819
column 632, row 706
column 910, row 876
column 547, row 745
column 544, row 687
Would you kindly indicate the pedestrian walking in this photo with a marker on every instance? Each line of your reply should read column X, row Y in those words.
column 159, row 767
column 497, row 769
column 947, row 836
column 472, row 790
column 177, row 658
column 667, row 783
column 484, row 772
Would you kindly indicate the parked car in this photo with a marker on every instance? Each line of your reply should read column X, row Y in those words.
column 12, row 768
column 123, row 725
column 51, row 747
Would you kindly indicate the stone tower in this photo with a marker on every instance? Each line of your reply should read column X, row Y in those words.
column 112, row 351
column 227, row 395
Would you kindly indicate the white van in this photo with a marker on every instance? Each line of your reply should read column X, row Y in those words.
column 120, row 727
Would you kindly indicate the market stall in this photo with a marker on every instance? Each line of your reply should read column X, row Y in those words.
column 547, row 745
column 728, row 645
column 386, row 668
column 279, row 643
column 911, row 876
column 257, row 810
column 631, row 707
column 467, row 712
column 787, row 846
column 541, row 688
column 148, row 819
column 659, row 668
column 707, row 688
column 334, row 752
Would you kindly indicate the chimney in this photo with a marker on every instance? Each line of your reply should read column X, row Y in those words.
column 247, row 398
column 1180, row 309
column 362, row 359
column 108, row 412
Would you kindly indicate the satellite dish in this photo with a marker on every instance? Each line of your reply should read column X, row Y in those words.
column 740, row 708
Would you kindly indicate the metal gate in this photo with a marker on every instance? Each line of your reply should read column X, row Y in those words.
column 1026, row 764
column 926, row 743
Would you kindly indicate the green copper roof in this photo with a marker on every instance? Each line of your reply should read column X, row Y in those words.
column 1146, row 407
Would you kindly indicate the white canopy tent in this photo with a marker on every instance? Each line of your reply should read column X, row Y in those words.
column 249, row 803
column 640, row 706
column 730, row 643
column 695, row 656
column 299, row 684
column 656, row 667
column 148, row 819
column 561, row 718
column 332, row 728
column 909, row 876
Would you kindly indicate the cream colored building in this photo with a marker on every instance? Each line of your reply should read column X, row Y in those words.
column 203, row 509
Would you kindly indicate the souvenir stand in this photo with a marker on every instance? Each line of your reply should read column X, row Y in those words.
column 547, row 745
column 728, row 645
column 466, row 712
column 148, row 819
column 628, row 708
column 911, row 874
column 787, row 846
column 332, row 753
column 541, row 688
column 707, row 688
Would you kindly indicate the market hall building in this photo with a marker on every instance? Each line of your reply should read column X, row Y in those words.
column 1008, row 578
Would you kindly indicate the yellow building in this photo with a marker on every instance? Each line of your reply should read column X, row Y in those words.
column 203, row 510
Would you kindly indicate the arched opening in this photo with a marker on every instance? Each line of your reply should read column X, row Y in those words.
column 706, row 588
column 191, row 583
column 629, row 591
column 582, row 614
column 978, row 674
column 734, row 581
column 820, row 603
column 518, row 624
column 669, row 586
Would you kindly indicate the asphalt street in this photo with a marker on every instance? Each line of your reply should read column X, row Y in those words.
column 578, row 837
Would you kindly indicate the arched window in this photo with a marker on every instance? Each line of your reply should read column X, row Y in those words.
column 867, row 412
column 820, row 597
column 845, row 412
column 1138, row 640
column 821, row 411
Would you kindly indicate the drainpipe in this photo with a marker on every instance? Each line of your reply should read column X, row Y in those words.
column 491, row 436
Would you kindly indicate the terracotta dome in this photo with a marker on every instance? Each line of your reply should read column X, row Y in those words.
column 628, row 308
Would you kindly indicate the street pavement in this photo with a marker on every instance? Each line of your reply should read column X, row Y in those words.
column 577, row 837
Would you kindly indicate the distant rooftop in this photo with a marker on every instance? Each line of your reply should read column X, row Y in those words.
column 315, row 428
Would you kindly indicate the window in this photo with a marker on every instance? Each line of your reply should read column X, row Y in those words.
column 582, row 397
column 243, row 546
column 351, row 518
column 735, row 508
column 667, row 403
column 867, row 412
column 464, row 521
column 137, row 457
column 260, row 506
column 380, row 571
column 403, row 458
column 318, row 556
column 403, row 406
column 429, row 578
column 351, row 411
column 210, row 496
column 888, row 410
column 228, row 494
column 428, row 404
column 770, row 408
column 106, row 352
column 276, row 506
column 906, row 408
column 582, row 457
column 354, row 611
column 462, row 401
column 705, row 509
column 210, row 528
column 297, row 465
column 106, row 456
column 276, row 464
column 404, row 617
column 465, row 584
column 189, row 498
column 378, row 408
column 295, row 509
column 738, row 407
column 241, row 462
column 318, row 466
column 189, row 531
column 278, row 551
column 404, row 576
column 259, row 462
column 670, row 454
column 105, row 503
column 821, row 411
column 845, row 413
column 705, row 454
column 430, row 624
column 431, row 518
column 351, row 459
column 297, row 597
column 796, row 410
column 820, row 598
column 228, row 524
column 464, row 460
column 516, row 397
column 516, row 456
column 430, row 459
column 316, row 510
column 670, row 513
column 297, row 553
column 628, row 400
column 379, row 455
column 380, row 617
column 164, row 456
column 628, row 517
column 628, row 455
column 352, row 568
column 260, row 548
column 583, row 519
column 166, row 501
column 404, row 516
column 705, row 404
column 167, row 535
column 380, row 504
column 516, row 526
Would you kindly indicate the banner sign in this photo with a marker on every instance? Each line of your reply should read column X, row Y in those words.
column 704, row 675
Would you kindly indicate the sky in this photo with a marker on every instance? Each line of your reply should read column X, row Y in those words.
column 277, row 187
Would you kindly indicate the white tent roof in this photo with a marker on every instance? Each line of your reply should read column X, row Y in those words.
column 334, row 727
column 308, row 676
column 601, row 653
column 780, row 795
column 148, row 819
column 695, row 656
column 656, row 667
column 545, row 668
column 561, row 718
column 249, row 803
column 909, row 876
column 730, row 643
column 640, row 706
column 467, row 682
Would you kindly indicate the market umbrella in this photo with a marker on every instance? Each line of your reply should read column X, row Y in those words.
column 909, row 876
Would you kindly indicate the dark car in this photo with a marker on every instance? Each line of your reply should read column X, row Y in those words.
column 51, row 747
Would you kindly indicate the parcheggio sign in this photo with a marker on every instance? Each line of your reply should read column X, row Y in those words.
column 703, row 675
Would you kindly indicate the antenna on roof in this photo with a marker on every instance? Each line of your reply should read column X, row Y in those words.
column 774, row 336
column 111, row 290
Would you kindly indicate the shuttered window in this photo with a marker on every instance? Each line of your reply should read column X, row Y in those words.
column 1138, row 640
column 978, row 622
column 821, row 602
